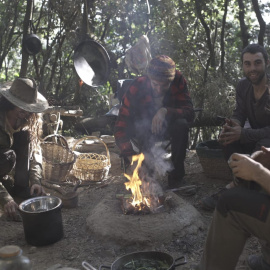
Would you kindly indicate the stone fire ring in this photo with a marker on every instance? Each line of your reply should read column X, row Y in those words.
column 107, row 221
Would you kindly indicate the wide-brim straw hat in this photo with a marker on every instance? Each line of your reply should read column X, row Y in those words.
column 23, row 93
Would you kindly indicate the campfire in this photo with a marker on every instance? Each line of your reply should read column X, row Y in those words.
column 144, row 197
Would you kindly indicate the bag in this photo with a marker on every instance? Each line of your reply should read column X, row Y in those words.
column 138, row 57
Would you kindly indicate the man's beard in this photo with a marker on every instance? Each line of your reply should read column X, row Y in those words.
column 258, row 80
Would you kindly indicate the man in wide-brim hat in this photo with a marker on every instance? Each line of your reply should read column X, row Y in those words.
column 20, row 155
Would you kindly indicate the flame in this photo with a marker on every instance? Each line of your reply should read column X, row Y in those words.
column 135, row 183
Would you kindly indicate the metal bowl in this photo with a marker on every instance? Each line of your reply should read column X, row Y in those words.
column 40, row 204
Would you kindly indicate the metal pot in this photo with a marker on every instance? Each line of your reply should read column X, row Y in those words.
column 92, row 63
column 31, row 44
column 147, row 255
column 42, row 220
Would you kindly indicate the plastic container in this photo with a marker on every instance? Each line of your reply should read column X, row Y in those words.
column 11, row 258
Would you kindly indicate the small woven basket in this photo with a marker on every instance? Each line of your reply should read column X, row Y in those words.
column 212, row 160
column 91, row 166
column 57, row 159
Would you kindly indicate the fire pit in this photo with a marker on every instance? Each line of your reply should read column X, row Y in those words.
column 145, row 216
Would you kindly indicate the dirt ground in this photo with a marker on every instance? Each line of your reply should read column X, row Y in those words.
column 79, row 244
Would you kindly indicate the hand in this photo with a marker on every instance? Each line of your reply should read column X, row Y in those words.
column 10, row 209
column 230, row 133
column 262, row 156
column 37, row 190
column 158, row 120
column 244, row 167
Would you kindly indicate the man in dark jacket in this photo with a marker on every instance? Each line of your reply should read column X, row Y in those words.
column 252, row 105
column 156, row 107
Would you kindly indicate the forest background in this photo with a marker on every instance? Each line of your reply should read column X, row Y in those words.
column 205, row 39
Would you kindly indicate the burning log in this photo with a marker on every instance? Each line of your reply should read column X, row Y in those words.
column 138, row 184
column 129, row 209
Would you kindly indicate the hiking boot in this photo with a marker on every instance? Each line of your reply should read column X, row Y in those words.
column 209, row 203
column 256, row 262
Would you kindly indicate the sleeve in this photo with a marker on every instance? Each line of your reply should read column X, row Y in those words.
column 4, row 139
column 4, row 195
column 240, row 113
column 122, row 123
column 35, row 170
column 254, row 135
column 181, row 105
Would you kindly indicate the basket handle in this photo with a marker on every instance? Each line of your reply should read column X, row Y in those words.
column 93, row 138
column 60, row 138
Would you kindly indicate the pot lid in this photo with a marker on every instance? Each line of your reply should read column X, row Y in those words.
column 92, row 63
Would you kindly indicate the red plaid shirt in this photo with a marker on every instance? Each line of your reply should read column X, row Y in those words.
column 138, row 105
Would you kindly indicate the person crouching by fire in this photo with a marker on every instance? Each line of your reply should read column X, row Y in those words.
column 20, row 155
column 156, row 107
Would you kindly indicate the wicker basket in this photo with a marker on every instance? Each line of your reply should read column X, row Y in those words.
column 212, row 160
column 57, row 159
column 91, row 166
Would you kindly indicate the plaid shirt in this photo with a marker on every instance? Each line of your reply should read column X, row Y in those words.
column 138, row 109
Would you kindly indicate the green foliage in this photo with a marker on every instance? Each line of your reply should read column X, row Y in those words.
column 189, row 31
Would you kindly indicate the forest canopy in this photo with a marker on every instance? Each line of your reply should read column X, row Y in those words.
column 203, row 37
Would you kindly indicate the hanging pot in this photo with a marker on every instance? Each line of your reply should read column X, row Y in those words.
column 92, row 63
column 31, row 44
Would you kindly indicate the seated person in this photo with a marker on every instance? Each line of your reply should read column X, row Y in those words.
column 156, row 107
column 252, row 104
column 241, row 213
column 20, row 156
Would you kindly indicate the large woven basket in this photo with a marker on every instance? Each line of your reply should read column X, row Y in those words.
column 91, row 166
column 212, row 160
column 57, row 158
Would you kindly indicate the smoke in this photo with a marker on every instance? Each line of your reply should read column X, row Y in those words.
column 155, row 166
column 162, row 165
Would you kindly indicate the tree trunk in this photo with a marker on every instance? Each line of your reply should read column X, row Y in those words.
column 25, row 56
column 244, row 30
column 260, row 20
column 222, row 43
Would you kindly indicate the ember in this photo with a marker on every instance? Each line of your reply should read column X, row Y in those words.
column 139, row 202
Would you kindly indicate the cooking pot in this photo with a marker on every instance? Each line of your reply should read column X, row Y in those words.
column 31, row 44
column 42, row 220
column 120, row 263
column 91, row 62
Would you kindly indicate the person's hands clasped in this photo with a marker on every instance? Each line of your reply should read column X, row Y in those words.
column 158, row 120
column 244, row 167
column 262, row 156
column 10, row 209
column 37, row 190
column 230, row 133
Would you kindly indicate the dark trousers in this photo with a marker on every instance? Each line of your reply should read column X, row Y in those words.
column 17, row 156
column 240, row 213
